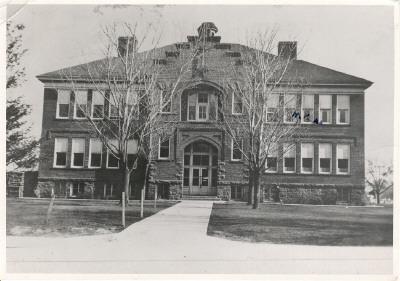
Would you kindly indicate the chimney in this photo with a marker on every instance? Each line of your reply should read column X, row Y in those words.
column 126, row 44
column 287, row 49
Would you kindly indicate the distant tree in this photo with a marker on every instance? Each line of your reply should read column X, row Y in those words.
column 379, row 179
column 21, row 148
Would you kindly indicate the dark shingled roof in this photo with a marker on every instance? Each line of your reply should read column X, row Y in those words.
column 311, row 73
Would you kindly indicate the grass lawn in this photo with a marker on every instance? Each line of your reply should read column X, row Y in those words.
column 303, row 224
column 72, row 217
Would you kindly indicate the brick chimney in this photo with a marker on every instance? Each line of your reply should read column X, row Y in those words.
column 126, row 44
column 287, row 49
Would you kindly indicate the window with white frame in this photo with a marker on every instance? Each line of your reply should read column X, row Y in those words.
column 343, row 158
column 112, row 160
column 325, row 109
column 236, row 150
column 77, row 152
column 97, row 105
column 78, row 188
column 63, row 100
column 132, row 152
column 237, row 104
column 80, row 107
column 289, row 157
column 166, row 102
column 271, row 165
column 60, row 152
column 113, row 107
column 132, row 104
column 307, row 108
column 343, row 109
column 198, row 107
column 325, row 158
column 163, row 152
column 290, row 108
column 272, row 107
column 307, row 158
column 95, row 153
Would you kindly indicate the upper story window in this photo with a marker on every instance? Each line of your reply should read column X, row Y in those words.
column 307, row 157
column 112, row 160
column 343, row 109
column 97, row 105
column 272, row 108
column 237, row 104
column 80, row 107
column 201, row 107
column 290, row 107
column 63, row 100
column 132, row 104
column 237, row 148
column 95, row 153
column 166, row 104
column 325, row 158
column 60, row 152
column 78, row 153
column 271, row 164
column 343, row 158
column 325, row 109
column 307, row 108
column 289, row 157
column 132, row 152
column 164, row 148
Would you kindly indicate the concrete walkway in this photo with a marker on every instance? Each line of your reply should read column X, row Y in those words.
column 175, row 241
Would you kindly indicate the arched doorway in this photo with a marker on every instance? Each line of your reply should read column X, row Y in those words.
column 200, row 169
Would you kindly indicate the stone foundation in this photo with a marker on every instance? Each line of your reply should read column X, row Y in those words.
column 224, row 192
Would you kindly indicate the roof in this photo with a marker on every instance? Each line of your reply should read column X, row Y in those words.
column 313, row 74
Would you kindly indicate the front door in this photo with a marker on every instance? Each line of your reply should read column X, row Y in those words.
column 200, row 169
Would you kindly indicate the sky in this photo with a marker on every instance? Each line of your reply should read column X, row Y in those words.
column 357, row 40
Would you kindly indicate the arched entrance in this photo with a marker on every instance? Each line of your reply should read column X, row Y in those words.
column 200, row 169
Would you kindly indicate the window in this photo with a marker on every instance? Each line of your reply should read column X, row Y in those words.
column 60, row 152
column 77, row 153
column 272, row 108
column 325, row 157
column 237, row 105
column 307, row 108
column 113, row 110
column 199, row 107
column 272, row 158
column 132, row 152
column 237, row 147
column 307, row 157
column 63, row 99
column 163, row 153
column 343, row 109
column 112, row 160
column 132, row 104
column 166, row 102
column 80, row 108
column 325, row 109
column 97, row 105
column 343, row 156
column 95, row 153
column 289, row 158
column 290, row 108
column 78, row 188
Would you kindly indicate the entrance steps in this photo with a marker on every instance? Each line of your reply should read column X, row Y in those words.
column 201, row 197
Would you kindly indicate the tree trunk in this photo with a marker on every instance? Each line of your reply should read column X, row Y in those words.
column 378, row 199
column 126, row 185
column 256, row 181
column 250, row 191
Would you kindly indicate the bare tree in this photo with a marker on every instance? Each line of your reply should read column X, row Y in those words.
column 264, row 113
column 379, row 178
column 132, row 88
